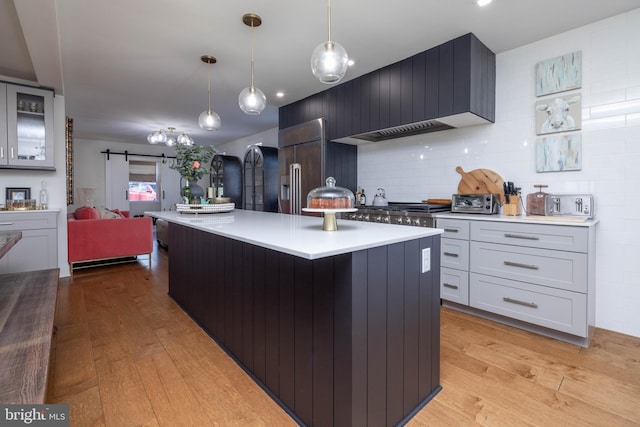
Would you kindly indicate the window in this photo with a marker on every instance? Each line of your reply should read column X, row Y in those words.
column 143, row 185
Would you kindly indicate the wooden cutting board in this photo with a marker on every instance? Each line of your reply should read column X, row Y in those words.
column 481, row 181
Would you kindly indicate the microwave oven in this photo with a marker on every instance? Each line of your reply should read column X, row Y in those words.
column 475, row 203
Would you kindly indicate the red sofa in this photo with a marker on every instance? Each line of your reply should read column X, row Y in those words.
column 105, row 239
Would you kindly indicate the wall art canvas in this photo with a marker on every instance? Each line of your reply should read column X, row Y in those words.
column 559, row 74
column 559, row 153
column 559, row 114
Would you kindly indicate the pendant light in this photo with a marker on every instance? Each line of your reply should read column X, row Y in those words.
column 329, row 61
column 209, row 119
column 252, row 100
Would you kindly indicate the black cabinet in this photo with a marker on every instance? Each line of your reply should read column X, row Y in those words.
column 226, row 177
column 261, row 179
column 453, row 78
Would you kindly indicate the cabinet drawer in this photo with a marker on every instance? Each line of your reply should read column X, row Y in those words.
column 454, row 228
column 564, row 238
column 556, row 269
column 552, row 308
column 454, row 254
column 27, row 221
column 454, row 285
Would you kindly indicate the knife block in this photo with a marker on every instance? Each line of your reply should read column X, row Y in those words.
column 513, row 208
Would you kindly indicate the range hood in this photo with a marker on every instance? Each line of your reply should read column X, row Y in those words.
column 417, row 128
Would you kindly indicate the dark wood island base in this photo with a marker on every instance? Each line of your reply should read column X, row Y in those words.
column 344, row 340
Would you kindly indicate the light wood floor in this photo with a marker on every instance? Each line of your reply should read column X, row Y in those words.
column 126, row 355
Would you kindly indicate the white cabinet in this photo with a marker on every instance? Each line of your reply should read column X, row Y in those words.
column 454, row 260
column 541, row 276
column 38, row 247
column 26, row 129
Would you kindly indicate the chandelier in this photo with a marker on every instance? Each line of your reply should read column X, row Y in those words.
column 169, row 137
column 329, row 61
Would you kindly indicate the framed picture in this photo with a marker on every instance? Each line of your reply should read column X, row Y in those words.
column 559, row 114
column 559, row 74
column 559, row 153
column 14, row 193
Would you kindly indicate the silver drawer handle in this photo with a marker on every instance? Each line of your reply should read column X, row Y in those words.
column 451, row 230
column 451, row 254
column 517, row 264
column 447, row 285
column 521, row 236
column 515, row 301
column 6, row 223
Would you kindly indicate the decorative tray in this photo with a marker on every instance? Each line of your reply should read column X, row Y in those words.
column 200, row 208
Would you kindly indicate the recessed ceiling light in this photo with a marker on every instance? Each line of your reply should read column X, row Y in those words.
column 279, row 94
column 483, row 2
column 351, row 62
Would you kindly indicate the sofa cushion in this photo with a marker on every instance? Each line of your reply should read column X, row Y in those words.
column 86, row 212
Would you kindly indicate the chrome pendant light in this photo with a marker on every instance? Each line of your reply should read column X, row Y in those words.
column 252, row 100
column 329, row 61
column 209, row 119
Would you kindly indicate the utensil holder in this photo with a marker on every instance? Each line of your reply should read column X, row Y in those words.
column 513, row 208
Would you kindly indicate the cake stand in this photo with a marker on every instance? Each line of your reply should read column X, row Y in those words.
column 329, row 223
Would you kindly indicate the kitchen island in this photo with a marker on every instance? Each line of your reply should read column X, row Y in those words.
column 341, row 328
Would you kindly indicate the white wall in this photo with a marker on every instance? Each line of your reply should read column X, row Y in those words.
column 419, row 167
column 89, row 163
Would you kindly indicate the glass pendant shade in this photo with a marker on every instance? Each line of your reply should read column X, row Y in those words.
column 171, row 140
column 329, row 62
column 209, row 120
column 184, row 139
column 252, row 100
column 154, row 137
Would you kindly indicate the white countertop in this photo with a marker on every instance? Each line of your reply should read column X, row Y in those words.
column 297, row 235
column 528, row 219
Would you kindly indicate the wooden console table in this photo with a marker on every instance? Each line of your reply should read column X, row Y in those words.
column 27, row 309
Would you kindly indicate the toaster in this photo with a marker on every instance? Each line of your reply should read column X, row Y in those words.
column 569, row 205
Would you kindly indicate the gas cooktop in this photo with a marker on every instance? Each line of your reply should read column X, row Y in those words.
column 410, row 207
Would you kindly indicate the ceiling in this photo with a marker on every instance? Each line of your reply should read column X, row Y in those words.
column 127, row 68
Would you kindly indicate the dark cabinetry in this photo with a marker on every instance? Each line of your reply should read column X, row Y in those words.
column 454, row 78
column 226, row 177
column 345, row 340
column 261, row 179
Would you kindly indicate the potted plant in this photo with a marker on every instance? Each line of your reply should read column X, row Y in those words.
column 192, row 163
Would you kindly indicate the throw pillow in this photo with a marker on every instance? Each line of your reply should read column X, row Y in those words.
column 86, row 212
column 117, row 212
column 107, row 214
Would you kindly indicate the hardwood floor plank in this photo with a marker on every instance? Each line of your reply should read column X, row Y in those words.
column 171, row 396
column 85, row 408
column 74, row 368
column 124, row 398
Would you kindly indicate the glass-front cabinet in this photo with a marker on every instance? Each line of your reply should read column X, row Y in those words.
column 27, row 132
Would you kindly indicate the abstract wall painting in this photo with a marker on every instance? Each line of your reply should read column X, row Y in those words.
column 559, row 153
column 559, row 74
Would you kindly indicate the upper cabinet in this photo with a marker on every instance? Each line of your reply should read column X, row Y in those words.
column 26, row 127
column 453, row 83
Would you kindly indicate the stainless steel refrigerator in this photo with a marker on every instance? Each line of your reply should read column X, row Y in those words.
column 306, row 159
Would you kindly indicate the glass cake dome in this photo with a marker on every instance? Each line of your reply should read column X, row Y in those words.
column 330, row 197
